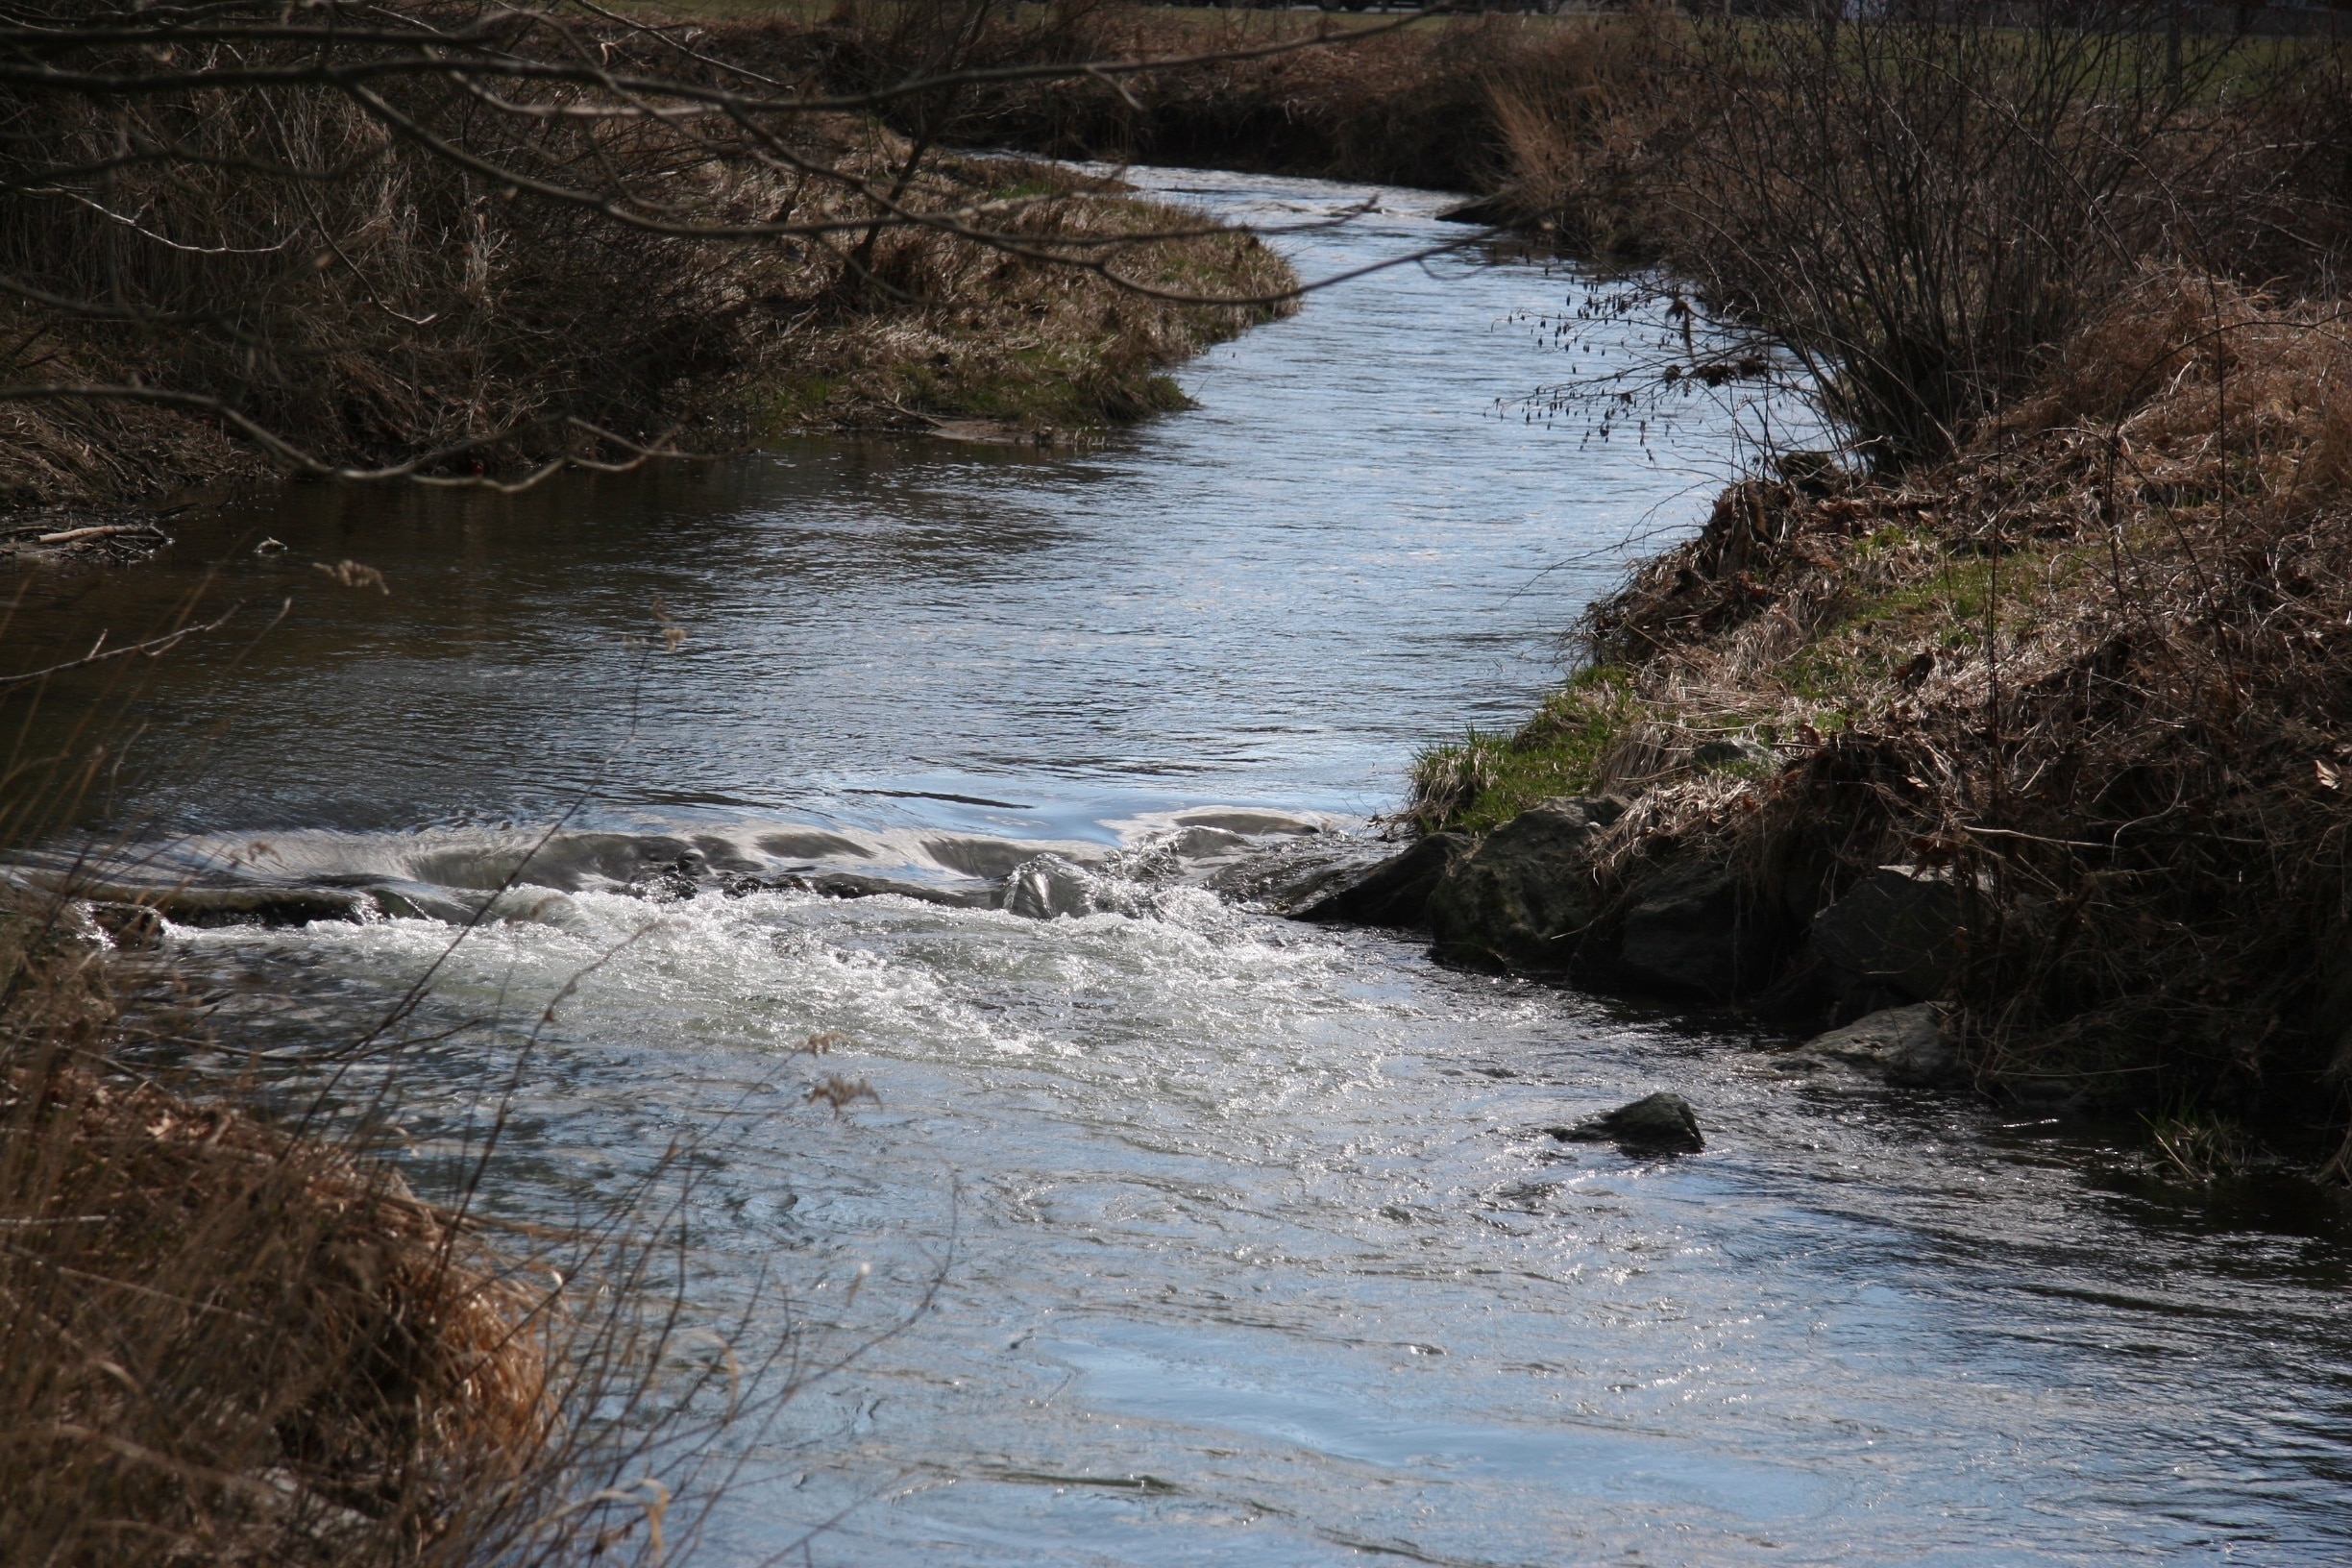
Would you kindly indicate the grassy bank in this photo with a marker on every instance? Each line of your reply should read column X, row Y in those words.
column 2059, row 630
column 2090, row 668
column 427, row 277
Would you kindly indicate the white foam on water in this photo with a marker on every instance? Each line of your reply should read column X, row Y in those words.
column 1261, row 1216
column 1265, row 1213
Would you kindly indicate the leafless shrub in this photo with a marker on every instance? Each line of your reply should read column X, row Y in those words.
column 1923, row 204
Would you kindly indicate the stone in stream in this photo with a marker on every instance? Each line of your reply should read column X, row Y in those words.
column 1904, row 1043
column 1396, row 892
column 521, row 905
column 1049, row 886
column 132, row 927
column 672, row 881
column 857, row 885
column 1654, row 1124
column 258, row 904
column 1295, row 874
column 1521, row 896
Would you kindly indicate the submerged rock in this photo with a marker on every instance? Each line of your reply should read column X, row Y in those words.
column 1520, row 897
column 1905, row 1044
column 975, row 855
column 1244, row 820
column 1293, row 875
column 811, row 844
column 857, row 885
column 1396, row 892
column 532, row 906
column 258, row 904
column 671, row 882
column 132, row 927
column 1208, row 844
column 1654, row 1124
column 1050, row 886
column 524, row 905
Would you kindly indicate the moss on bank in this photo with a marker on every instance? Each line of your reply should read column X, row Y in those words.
column 1479, row 781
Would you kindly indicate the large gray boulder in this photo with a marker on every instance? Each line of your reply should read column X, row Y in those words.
column 1896, row 929
column 1906, row 1044
column 1396, row 892
column 1692, row 928
column 1521, row 897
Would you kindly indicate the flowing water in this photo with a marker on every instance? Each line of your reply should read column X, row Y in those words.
column 1244, row 1241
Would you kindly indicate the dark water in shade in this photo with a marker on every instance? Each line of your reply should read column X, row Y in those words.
column 1252, row 1249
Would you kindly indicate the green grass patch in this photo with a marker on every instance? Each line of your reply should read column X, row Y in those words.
column 1484, row 780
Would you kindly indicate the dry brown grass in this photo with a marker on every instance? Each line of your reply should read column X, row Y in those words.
column 223, row 1341
column 225, row 1337
column 2097, row 664
column 1036, row 348
column 283, row 251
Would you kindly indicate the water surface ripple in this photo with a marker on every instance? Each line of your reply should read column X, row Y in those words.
column 1254, row 1250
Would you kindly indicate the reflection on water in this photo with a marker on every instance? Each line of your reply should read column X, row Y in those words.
column 1251, row 1248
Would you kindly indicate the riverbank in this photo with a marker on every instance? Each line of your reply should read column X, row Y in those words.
column 2013, row 724
column 228, row 1340
column 2047, row 737
column 390, row 289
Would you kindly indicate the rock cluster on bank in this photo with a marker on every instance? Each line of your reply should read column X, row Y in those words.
column 1553, row 892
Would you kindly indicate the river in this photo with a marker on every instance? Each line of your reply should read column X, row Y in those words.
column 1242, row 1241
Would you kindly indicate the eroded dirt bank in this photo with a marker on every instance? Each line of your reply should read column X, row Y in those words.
column 2031, row 756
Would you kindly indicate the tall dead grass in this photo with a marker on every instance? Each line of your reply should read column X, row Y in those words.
column 2095, row 666
column 227, row 1337
column 227, row 1334
column 310, row 264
